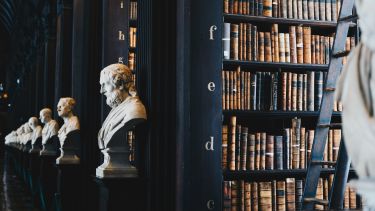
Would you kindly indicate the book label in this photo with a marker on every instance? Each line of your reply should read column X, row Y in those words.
column 211, row 86
column 210, row 144
column 212, row 29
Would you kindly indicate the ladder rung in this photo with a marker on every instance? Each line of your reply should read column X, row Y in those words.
column 330, row 125
column 321, row 162
column 330, row 89
column 348, row 18
column 317, row 201
column 340, row 54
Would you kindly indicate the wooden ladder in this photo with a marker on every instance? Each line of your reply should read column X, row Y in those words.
column 342, row 165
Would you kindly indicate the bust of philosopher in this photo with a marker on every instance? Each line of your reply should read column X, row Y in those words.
column 65, row 110
column 51, row 127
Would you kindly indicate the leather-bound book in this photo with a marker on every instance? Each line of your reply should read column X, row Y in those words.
column 232, row 144
column 251, row 152
column 286, row 149
column 284, row 80
column 267, row 8
column 305, row 9
column 243, row 153
column 254, row 196
column 253, row 91
column 224, row 147
column 280, row 196
column 293, row 44
column 279, row 152
column 294, row 91
column 318, row 90
column 316, row 10
column 267, row 47
column 307, row 45
column 287, row 47
column 299, row 194
column 310, row 5
column 265, row 196
column 227, row 199
column 281, row 47
column 262, row 163
column 257, row 151
column 322, row 10
column 270, row 152
column 238, row 147
column 290, row 194
column 310, row 90
column 234, row 41
column 299, row 92
column 299, row 44
column 328, row 10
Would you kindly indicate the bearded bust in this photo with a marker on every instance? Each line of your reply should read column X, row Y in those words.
column 51, row 127
column 36, row 129
column 117, row 85
column 65, row 111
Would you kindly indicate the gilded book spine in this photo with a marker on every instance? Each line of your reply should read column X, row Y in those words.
column 232, row 146
column 279, row 152
column 224, row 159
column 293, row 44
column 307, row 45
column 280, row 196
column 267, row 46
column 234, row 41
column 299, row 45
column 244, row 133
column 267, row 8
column 269, row 152
column 275, row 29
column 251, row 152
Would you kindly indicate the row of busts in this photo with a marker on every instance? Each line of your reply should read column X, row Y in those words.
column 41, row 139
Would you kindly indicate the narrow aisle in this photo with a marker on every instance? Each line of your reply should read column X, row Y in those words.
column 14, row 195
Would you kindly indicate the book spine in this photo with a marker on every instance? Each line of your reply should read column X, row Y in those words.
column 234, row 90
column 275, row 91
column 226, row 40
column 352, row 198
column 317, row 50
column 284, row 79
column 261, row 46
column 238, row 88
column 290, row 194
column 328, row 10
column 280, row 196
column 287, row 47
column 244, row 133
column 260, row 7
column 235, row 196
column 310, row 5
column 262, row 164
column 240, row 6
column 346, row 198
column 299, row 92
column 305, row 9
column 299, row 194
column 249, row 41
column 267, row 46
column 294, row 91
column 293, row 44
column 318, row 90
column 254, row 196
column 232, row 147
column 227, row 200
column 319, row 194
column 224, row 145
column 299, row 9
column 243, row 85
column 284, row 8
column 251, row 152
column 281, row 47
column 304, row 84
column 235, row 6
column 223, row 89
column 334, row 10
column 322, row 10
column 257, row 151
column 254, row 42
column 244, row 41
column 310, row 141
column 240, row 41
column 299, row 44
column 295, row 142
column 269, row 152
column 289, row 93
column 238, row 147
column 275, row 29
column 234, row 41
column 226, row 6
column 295, row 9
column 253, row 91
column 265, row 196
column 279, row 152
column 275, row 8
column 316, row 10
column 286, row 147
column 313, row 49
column 330, row 145
column 307, row 45
column 290, row 8
column 252, row 7
column 338, row 8
column 259, row 89
column 302, row 149
column 267, row 8
column 336, row 143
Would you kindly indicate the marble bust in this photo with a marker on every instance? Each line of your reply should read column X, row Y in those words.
column 127, row 111
column 71, row 124
column 36, row 134
column 50, row 129
column 14, row 136
column 26, row 134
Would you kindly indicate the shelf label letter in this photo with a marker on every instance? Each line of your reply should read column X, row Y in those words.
column 210, row 204
column 121, row 36
column 210, row 144
column 211, row 86
column 121, row 60
column 212, row 29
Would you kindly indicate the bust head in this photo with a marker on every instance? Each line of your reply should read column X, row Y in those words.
column 45, row 115
column 33, row 122
column 116, row 84
column 65, row 106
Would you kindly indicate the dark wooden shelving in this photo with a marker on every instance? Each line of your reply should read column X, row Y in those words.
column 275, row 114
column 133, row 23
column 275, row 66
column 268, row 175
column 235, row 18
column 132, row 49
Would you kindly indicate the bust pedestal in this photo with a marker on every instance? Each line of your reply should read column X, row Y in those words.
column 26, row 162
column 70, row 151
column 34, row 168
column 116, row 156
column 51, row 147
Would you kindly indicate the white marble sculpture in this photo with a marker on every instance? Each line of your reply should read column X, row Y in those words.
column 50, row 129
column 71, row 123
column 356, row 90
column 36, row 133
column 13, row 137
column 26, row 135
column 117, row 85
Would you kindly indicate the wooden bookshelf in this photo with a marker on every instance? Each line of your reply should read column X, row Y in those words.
column 275, row 114
column 133, row 23
column 275, row 66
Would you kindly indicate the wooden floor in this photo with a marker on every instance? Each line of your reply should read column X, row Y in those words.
column 13, row 193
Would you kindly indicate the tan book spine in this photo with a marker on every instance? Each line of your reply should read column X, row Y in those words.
column 224, row 147
column 267, row 8
column 280, row 196
column 267, row 45
column 293, row 44
column 249, row 41
column 235, row 195
column 304, row 92
column 227, row 199
column 223, row 91
column 265, row 196
column 275, row 29
column 247, row 196
column 257, row 151
column 302, row 149
column 231, row 89
column 281, row 47
column 242, row 195
column 319, row 194
column 240, row 42
column 263, row 140
column 243, row 152
column 232, row 144
column 299, row 45
column 289, row 93
column 287, row 48
column 235, row 89
column 251, row 152
column 240, row 6
column 261, row 46
column 295, row 9
column 294, row 91
column 330, row 145
column 299, row 92
column 235, row 6
column 346, row 198
column 313, row 49
column 284, row 80
column 254, row 196
column 290, row 194
column 352, row 198
column 322, row 60
column 295, row 142
column 227, row 88
column 234, row 41
column 238, row 89
column 336, row 143
column 317, row 49
column 310, row 142
column 307, row 45
column 244, row 42
column 299, row 9
column 325, row 155
column 226, row 6
column 325, row 191
column 269, row 152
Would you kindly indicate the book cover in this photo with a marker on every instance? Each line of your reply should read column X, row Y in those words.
column 243, row 156
column 299, row 194
column 269, row 152
column 294, row 91
column 234, row 41
column 227, row 199
column 251, row 152
column 290, row 194
column 299, row 44
column 310, row 91
column 293, row 44
column 307, row 45
column 224, row 147
column 302, row 149
column 279, row 153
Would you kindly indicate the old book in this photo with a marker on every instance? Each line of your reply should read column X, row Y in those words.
column 265, row 97
column 261, row 46
column 328, row 10
column 290, row 194
column 231, row 6
column 317, row 50
column 267, row 47
column 252, row 7
column 310, row 141
column 334, row 10
column 299, row 92
column 290, row 8
column 295, row 9
column 232, row 144
column 313, row 49
column 253, row 91
column 289, row 93
column 310, row 91
column 299, row 194
column 249, row 40
column 316, row 10
column 304, row 85
column 287, row 48
column 310, row 5
column 325, row 191
column 242, row 195
column 227, row 199
column 235, row 195
column 305, row 10
column 131, row 61
column 247, row 92
column 274, row 195
column 322, row 10
column 256, row 2
column 234, row 90
column 295, row 142
column 247, row 196
column 281, row 47
column 243, row 88
column 224, row 147
column 254, row 43
column 226, row 41
column 352, row 198
column 299, row 9
column 260, row 7
column 240, row 6
column 280, row 196
column 260, row 77
column 330, row 145
column 257, row 151
column 336, row 143
column 318, row 90
column 265, row 196
column 299, row 44
column 274, row 85
column 294, row 91
column 244, row 41
column 240, row 41
column 284, row 8
column 235, row 6
column 307, row 45
column 275, row 8
column 346, row 198
column 226, row 6
column 234, row 41
column 267, row 8
column 254, row 196
column 223, row 90
column 238, row 147
column 251, row 152
column 293, row 44
column 338, row 8
column 243, row 152
column 269, row 152
column 302, row 149
column 319, row 194
column 284, row 79
column 263, row 141
column 238, row 88
column 278, row 152
column 275, row 30
column 286, row 147
column 227, row 89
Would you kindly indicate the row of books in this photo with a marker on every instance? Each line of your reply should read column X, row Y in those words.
column 279, row 195
column 326, row 10
column 133, row 10
column 131, row 61
column 277, row 91
column 133, row 37
column 291, row 149
column 245, row 42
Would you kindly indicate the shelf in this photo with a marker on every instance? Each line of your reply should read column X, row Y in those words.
column 275, row 66
column 132, row 49
column 234, row 18
column 267, row 175
column 133, row 23
column 275, row 114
